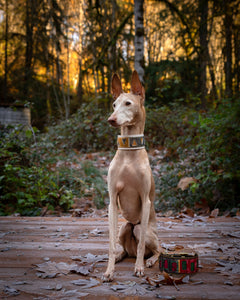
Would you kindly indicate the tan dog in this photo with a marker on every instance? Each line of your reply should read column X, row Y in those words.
column 130, row 182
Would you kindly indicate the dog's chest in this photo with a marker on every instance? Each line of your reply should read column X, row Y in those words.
column 128, row 174
column 130, row 178
column 130, row 208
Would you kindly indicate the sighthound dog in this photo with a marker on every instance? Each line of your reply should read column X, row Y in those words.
column 130, row 183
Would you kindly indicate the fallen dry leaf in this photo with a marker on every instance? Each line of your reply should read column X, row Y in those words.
column 214, row 213
column 86, row 283
column 185, row 182
column 202, row 207
column 168, row 280
column 57, row 287
column 204, row 248
column 228, row 267
column 129, row 288
column 171, row 247
column 88, row 262
column 83, row 236
column 90, row 258
column 5, row 249
column 82, row 269
column 69, row 294
column 235, row 234
column 188, row 211
column 228, row 283
column 10, row 291
column 97, row 232
column 20, row 282
column 51, row 269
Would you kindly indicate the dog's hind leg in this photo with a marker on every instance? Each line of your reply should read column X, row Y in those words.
column 151, row 245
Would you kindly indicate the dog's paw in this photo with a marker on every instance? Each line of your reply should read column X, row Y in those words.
column 107, row 277
column 139, row 271
column 151, row 261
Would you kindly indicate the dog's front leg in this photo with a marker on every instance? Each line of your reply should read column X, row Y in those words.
column 139, row 266
column 113, row 221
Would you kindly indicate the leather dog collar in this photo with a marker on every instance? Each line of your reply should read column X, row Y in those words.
column 131, row 142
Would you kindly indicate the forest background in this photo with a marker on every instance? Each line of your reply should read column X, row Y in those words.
column 58, row 57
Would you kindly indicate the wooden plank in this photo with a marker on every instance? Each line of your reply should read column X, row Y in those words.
column 27, row 242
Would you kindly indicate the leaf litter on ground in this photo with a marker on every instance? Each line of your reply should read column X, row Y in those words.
column 166, row 279
column 90, row 258
column 83, row 265
column 97, row 232
column 129, row 288
column 51, row 269
column 83, row 236
column 10, row 291
column 228, row 267
column 57, row 287
column 87, row 263
column 68, row 294
column 172, row 246
column 84, row 270
column 86, row 283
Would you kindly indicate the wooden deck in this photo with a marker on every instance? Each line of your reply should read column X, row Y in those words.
column 36, row 259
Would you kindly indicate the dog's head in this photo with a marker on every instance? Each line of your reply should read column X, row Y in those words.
column 128, row 107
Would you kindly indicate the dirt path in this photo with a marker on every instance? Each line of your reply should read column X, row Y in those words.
column 43, row 258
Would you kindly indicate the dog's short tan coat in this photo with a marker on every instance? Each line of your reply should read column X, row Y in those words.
column 131, row 185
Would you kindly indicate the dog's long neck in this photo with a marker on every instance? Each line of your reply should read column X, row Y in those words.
column 138, row 125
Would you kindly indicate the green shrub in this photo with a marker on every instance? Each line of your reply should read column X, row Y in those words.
column 44, row 169
column 204, row 146
column 95, row 184
column 25, row 186
column 87, row 130
column 37, row 171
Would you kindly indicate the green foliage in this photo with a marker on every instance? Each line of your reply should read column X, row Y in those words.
column 220, row 138
column 48, row 170
column 39, row 170
column 96, row 186
column 171, row 127
column 25, row 185
column 87, row 130
column 200, row 145
column 172, row 79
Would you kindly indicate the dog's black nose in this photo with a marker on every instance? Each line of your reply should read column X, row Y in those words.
column 112, row 121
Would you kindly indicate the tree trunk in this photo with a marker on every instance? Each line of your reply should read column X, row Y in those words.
column 68, row 77
column 29, row 44
column 139, row 38
column 80, row 89
column 228, row 21
column 101, row 69
column 212, row 76
column 113, row 48
column 203, row 55
column 6, row 54
column 237, row 58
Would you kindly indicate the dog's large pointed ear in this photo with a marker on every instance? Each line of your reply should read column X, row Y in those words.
column 136, row 86
column 116, row 86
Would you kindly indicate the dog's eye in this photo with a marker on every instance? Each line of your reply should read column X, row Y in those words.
column 128, row 103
